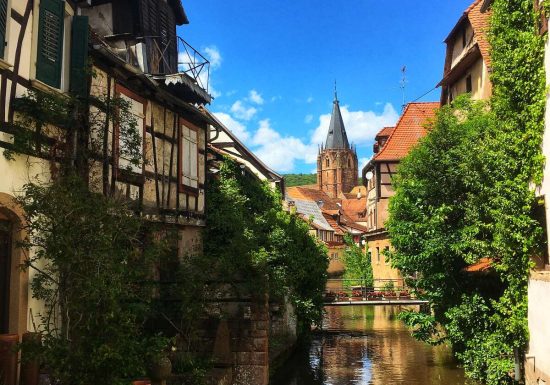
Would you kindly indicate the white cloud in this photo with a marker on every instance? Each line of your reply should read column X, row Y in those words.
column 214, row 56
column 236, row 127
column 281, row 152
column 363, row 162
column 241, row 111
column 255, row 97
column 310, row 99
column 361, row 126
column 308, row 118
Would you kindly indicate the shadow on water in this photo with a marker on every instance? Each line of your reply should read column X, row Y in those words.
column 368, row 345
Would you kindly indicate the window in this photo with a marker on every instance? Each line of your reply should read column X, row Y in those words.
column 349, row 162
column 51, row 25
column 189, row 167
column 125, row 144
column 62, row 46
column 3, row 26
column 378, row 255
column 469, row 83
column 328, row 162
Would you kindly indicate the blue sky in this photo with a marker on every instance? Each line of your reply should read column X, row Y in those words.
column 274, row 64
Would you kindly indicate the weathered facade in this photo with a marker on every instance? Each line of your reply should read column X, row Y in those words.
column 467, row 61
column 392, row 144
column 337, row 161
column 132, row 51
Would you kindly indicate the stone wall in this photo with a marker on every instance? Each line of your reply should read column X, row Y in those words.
column 336, row 171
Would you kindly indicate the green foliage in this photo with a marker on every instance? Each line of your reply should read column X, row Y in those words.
column 464, row 193
column 358, row 263
column 89, row 256
column 300, row 179
column 249, row 237
column 47, row 124
column 461, row 195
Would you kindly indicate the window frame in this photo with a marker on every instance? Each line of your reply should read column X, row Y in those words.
column 66, row 47
column 121, row 90
column 469, row 84
column 4, row 57
column 183, row 187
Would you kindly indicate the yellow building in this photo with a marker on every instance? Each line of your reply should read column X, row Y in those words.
column 392, row 144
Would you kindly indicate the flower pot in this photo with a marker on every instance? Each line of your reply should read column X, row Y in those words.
column 160, row 370
column 8, row 358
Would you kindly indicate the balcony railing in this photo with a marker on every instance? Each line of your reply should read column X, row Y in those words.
column 157, row 56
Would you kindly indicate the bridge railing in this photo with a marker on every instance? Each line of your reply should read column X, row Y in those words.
column 357, row 290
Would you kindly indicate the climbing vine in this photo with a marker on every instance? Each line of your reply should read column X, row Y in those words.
column 250, row 238
column 465, row 193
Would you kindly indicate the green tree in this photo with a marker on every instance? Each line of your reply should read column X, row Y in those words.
column 249, row 237
column 458, row 199
column 358, row 263
column 90, row 256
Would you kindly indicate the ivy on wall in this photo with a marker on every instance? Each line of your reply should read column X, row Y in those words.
column 250, row 238
column 465, row 193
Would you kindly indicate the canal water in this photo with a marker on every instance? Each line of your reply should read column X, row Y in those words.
column 368, row 345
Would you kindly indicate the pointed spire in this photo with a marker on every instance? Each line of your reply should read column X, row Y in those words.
column 337, row 137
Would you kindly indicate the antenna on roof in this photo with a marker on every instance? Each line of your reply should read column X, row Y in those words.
column 403, row 84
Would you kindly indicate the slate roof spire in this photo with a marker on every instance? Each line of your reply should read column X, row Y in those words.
column 336, row 137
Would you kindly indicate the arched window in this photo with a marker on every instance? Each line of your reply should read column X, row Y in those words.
column 349, row 162
column 328, row 162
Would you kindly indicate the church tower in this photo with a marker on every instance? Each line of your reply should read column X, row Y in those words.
column 337, row 160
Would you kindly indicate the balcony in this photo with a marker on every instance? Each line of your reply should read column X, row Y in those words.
column 184, row 71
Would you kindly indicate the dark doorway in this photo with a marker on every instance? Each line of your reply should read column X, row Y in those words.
column 5, row 267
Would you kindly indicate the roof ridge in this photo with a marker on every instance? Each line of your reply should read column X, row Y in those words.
column 400, row 121
column 471, row 7
column 393, row 131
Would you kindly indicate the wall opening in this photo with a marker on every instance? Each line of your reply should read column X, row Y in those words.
column 5, row 268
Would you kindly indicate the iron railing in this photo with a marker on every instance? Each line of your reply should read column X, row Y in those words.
column 158, row 56
column 356, row 289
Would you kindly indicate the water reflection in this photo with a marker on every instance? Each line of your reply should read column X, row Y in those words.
column 368, row 345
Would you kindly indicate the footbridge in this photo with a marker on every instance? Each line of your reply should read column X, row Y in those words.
column 382, row 292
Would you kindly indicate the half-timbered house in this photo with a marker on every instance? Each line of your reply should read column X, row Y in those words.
column 99, row 50
column 392, row 144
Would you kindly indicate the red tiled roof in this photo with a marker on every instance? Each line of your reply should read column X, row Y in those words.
column 354, row 208
column 332, row 222
column 312, row 195
column 386, row 131
column 480, row 24
column 483, row 264
column 409, row 129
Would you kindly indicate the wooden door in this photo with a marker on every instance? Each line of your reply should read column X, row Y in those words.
column 5, row 267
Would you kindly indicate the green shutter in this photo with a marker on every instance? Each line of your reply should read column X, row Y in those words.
column 50, row 42
column 3, row 19
column 79, row 56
